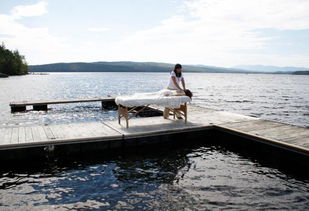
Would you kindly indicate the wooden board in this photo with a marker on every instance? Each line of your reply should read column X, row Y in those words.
column 48, row 132
column 5, row 135
column 152, row 124
column 28, row 135
column 281, row 132
column 60, row 101
column 197, row 118
column 15, row 135
column 82, row 130
column 217, row 118
column 252, row 125
column 38, row 134
column 21, row 135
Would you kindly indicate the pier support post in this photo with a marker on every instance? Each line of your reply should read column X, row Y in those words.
column 108, row 104
column 40, row 107
column 18, row 108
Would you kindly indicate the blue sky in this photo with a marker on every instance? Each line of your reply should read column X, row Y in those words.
column 210, row 32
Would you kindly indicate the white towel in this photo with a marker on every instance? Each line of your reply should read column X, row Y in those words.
column 161, row 98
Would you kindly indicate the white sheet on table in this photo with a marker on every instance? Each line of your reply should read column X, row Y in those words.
column 159, row 98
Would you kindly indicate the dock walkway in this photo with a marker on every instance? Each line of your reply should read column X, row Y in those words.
column 292, row 138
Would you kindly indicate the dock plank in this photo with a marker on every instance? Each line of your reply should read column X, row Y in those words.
column 301, row 140
column 15, row 135
column 28, row 136
column 59, row 131
column 281, row 132
column 38, row 134
column 21, row 135
column 100, row 129
column 82, row 130
column 2, row 131
column 3, row 135
column 48, row 132
column 218, row 117
column 74, row 131
column 151, row 124
column 252, row 125
column 7, row 134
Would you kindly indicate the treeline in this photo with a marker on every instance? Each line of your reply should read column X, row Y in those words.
column 301, row 72
column 125, row 66
column 11, row 62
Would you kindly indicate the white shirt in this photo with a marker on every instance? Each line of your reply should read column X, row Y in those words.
column 171, row 84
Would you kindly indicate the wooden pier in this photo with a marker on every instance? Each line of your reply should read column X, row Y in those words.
column 106, row 102
column 17, row 142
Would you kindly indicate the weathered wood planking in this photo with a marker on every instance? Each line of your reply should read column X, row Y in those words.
column 300, row 141
column 291, row 137
column 217, row 117
column 59, row 101
column 28, row 134
column 255, row 124
column 38, row 134
column 152, row 125
column 81, row 130
column 21, row 135
column 7, row 134
column 15, row 135
column 49, row 133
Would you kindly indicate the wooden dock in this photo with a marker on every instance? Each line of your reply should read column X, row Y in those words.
column 109, row 134
column 42, row 104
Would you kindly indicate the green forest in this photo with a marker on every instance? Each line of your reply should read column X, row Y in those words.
column 11, row 62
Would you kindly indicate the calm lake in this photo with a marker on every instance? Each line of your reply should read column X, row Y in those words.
column 194, row 177
column 283, row 98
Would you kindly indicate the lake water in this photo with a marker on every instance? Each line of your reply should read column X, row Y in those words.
column 193, row 177
column 283, row 98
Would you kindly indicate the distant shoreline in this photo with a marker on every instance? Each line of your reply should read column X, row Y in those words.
column 126, row 66
column 266, row 73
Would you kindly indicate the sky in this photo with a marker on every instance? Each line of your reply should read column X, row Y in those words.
column 223, row 33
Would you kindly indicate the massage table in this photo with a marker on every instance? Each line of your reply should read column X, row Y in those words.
column 164, row 98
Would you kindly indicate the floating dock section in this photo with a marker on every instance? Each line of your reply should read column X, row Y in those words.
column 106, row 102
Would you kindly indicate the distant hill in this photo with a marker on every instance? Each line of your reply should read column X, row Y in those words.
column 126, row 66
column 301, row 72
column 274, row 69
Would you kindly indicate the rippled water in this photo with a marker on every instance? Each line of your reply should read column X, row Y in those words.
column 283, row 98
column 198, row 178
column 193, row 177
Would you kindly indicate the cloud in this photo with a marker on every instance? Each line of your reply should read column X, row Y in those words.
column 36, row 43
column 277, row 14
column 216, row 31
column 212, row 32
column 98, row 29
column 37, row 9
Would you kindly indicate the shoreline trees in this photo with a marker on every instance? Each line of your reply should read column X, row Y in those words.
column 11, row 62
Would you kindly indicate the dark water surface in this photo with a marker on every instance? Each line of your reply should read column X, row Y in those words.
column 197, row 177
column 188, row 178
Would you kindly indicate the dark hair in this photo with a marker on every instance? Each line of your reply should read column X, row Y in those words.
column 188, row 93
column 177, row 66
